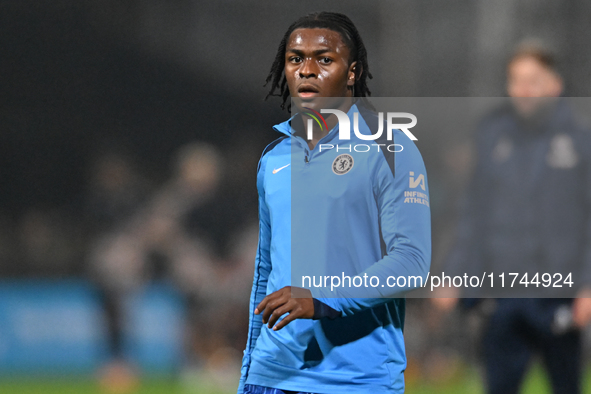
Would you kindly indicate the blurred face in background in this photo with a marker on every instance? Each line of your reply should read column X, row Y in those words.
column 529, row 83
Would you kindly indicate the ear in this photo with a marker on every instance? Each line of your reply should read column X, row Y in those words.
column 352, row 74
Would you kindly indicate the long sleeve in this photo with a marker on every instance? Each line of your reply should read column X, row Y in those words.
column 261, row 274
column 402, row 197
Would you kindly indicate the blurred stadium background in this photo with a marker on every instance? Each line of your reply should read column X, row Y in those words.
column 130, row 134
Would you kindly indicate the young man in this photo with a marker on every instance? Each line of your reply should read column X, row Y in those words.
column 338, row 209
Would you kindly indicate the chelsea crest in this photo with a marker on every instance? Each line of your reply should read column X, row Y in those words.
column 342, row 164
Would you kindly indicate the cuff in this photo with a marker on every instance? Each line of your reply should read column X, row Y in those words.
column 322, row 310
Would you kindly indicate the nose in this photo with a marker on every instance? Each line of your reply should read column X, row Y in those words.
column 308, row 69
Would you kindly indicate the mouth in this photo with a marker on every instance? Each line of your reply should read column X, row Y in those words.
column 307, row 90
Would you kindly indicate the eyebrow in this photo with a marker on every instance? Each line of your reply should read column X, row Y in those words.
column 315, row 53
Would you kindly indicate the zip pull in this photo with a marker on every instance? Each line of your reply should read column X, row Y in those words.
column 306, row 159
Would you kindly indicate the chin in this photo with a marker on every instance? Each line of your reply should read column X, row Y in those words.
column 528, row 107
column 317, row 103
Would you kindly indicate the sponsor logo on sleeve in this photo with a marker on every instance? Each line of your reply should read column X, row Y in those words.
column 414, row 196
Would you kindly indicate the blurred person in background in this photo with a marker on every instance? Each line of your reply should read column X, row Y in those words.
column 528, row 206
column 158, row 242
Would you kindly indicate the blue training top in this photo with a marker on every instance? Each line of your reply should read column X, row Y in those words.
column 342, row 210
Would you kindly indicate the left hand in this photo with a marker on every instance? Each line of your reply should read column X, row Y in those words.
column 281, row 302
column 582, row 308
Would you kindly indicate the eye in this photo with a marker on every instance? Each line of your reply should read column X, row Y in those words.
column 326, row 60
column 295, row 59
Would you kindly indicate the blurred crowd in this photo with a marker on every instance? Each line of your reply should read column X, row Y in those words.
column 195, row 231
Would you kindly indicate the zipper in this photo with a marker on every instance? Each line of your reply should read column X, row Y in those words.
column 304, row 145
column 307, row 152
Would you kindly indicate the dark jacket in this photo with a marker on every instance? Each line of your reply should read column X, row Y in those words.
column 528, row 205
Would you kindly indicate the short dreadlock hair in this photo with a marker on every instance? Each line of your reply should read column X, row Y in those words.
column 322, row 20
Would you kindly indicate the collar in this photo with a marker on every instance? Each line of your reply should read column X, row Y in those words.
column 285, row 127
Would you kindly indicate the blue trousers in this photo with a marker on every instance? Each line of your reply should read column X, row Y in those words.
column 252, row 389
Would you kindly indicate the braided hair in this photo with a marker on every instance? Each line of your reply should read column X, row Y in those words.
column 322, row 20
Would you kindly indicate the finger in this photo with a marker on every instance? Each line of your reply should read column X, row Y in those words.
column 261, row 306
column 271, row 306
column 286, row 320
column 264, row 303
column 581, row 314
column 579, row 320
column 277, row 313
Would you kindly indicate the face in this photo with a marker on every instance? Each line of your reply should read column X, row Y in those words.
column 528, row 80
column 317, row 65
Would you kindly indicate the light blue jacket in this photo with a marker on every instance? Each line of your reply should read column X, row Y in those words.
column 341, row 213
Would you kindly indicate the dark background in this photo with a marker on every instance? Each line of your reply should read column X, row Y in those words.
column 148, row 76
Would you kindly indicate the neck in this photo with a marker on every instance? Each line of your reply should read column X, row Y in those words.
column 319, row 132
